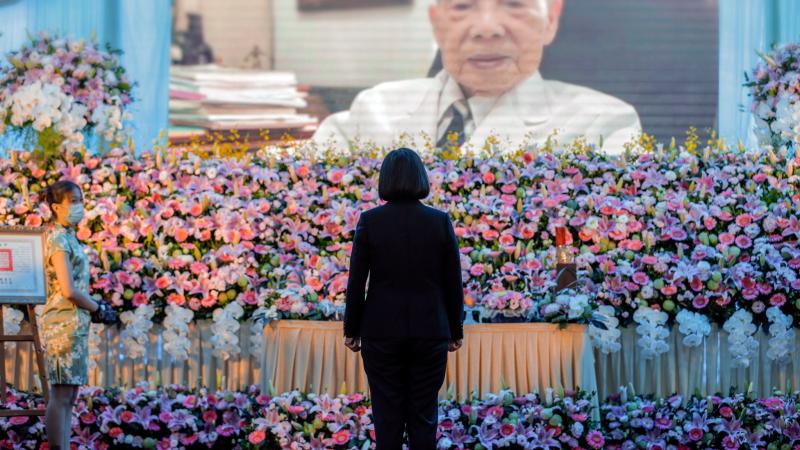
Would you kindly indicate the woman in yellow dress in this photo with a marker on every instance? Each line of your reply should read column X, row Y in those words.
column 68, row 312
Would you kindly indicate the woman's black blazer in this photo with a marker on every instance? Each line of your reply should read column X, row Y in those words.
column 410, row 254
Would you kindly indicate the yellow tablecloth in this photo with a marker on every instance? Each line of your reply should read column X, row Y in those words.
column 530, row 357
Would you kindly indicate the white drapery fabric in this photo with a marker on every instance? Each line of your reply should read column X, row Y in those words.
column 706, row 369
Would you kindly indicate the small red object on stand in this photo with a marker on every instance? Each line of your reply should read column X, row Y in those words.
column 566, row 270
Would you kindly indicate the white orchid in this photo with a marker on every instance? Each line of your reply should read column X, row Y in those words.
column 136, row 333
column 743, row 346
column 652, row 332
column 176, row 331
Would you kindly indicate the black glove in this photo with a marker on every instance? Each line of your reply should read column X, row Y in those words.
column 104, row 314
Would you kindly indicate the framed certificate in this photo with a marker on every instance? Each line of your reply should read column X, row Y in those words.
column 22, row 272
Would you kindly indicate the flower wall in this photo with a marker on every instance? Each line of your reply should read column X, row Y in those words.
column 706, row 230
column 173, row 417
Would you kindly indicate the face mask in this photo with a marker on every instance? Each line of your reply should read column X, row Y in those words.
column 75, row 214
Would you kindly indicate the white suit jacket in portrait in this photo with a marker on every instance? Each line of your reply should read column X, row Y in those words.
column 527, row 114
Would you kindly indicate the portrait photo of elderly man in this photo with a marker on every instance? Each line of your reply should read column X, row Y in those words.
column 490, row 85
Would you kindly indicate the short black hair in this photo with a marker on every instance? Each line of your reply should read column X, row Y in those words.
column 403, row 177
column 58, row 191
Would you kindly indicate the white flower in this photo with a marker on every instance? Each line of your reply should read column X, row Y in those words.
column 652, row 332
column 136, row 333
column 12, row 317
column 606, row 340
column 577, row 305
column 225, row 328
column 781, row 342
column 743, row 346
column 694, row 327
column 260, row 317
column 95, row 339
column 176, row 330
column 452, row 177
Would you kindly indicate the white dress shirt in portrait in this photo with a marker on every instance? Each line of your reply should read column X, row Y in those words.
column 526, row 115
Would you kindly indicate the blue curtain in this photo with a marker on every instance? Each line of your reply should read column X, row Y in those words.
column 745, row 27
column 142, row 29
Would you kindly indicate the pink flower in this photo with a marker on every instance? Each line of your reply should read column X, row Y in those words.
column 190, row 401
column 730, row 443
column 21, row 420
column 488, row 177
column 641, row 278
column 33, row 220
column 209, row 416
column 490, row 234
column 743, row 220
column 176, row 298
column 126, row 416
column 695, row 433
column 139, row 299
column 256, row 437
column 777, row 300
column 163, row 282
column 700, row 302
column 295, row 409
column 669, row 290
column 663, row 423
column 650, row 260
column 83, row 233
column 335, row 176
column 196, row 210
column 506, row 239
column 88, row 418
column 341, row 437
column 772, row 402
column 595, row 439
column 726, row 238
column 726, row 412
column 506, row 429
column 743, row 241
column 446, row 425
column 476, row 270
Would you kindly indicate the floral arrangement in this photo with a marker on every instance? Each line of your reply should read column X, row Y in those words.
column 173, row 416
column 737, row 421
column 699, row 228
column 775, row 90
column 60, row 90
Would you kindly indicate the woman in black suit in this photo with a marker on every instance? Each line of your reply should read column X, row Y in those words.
column 413, row 311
